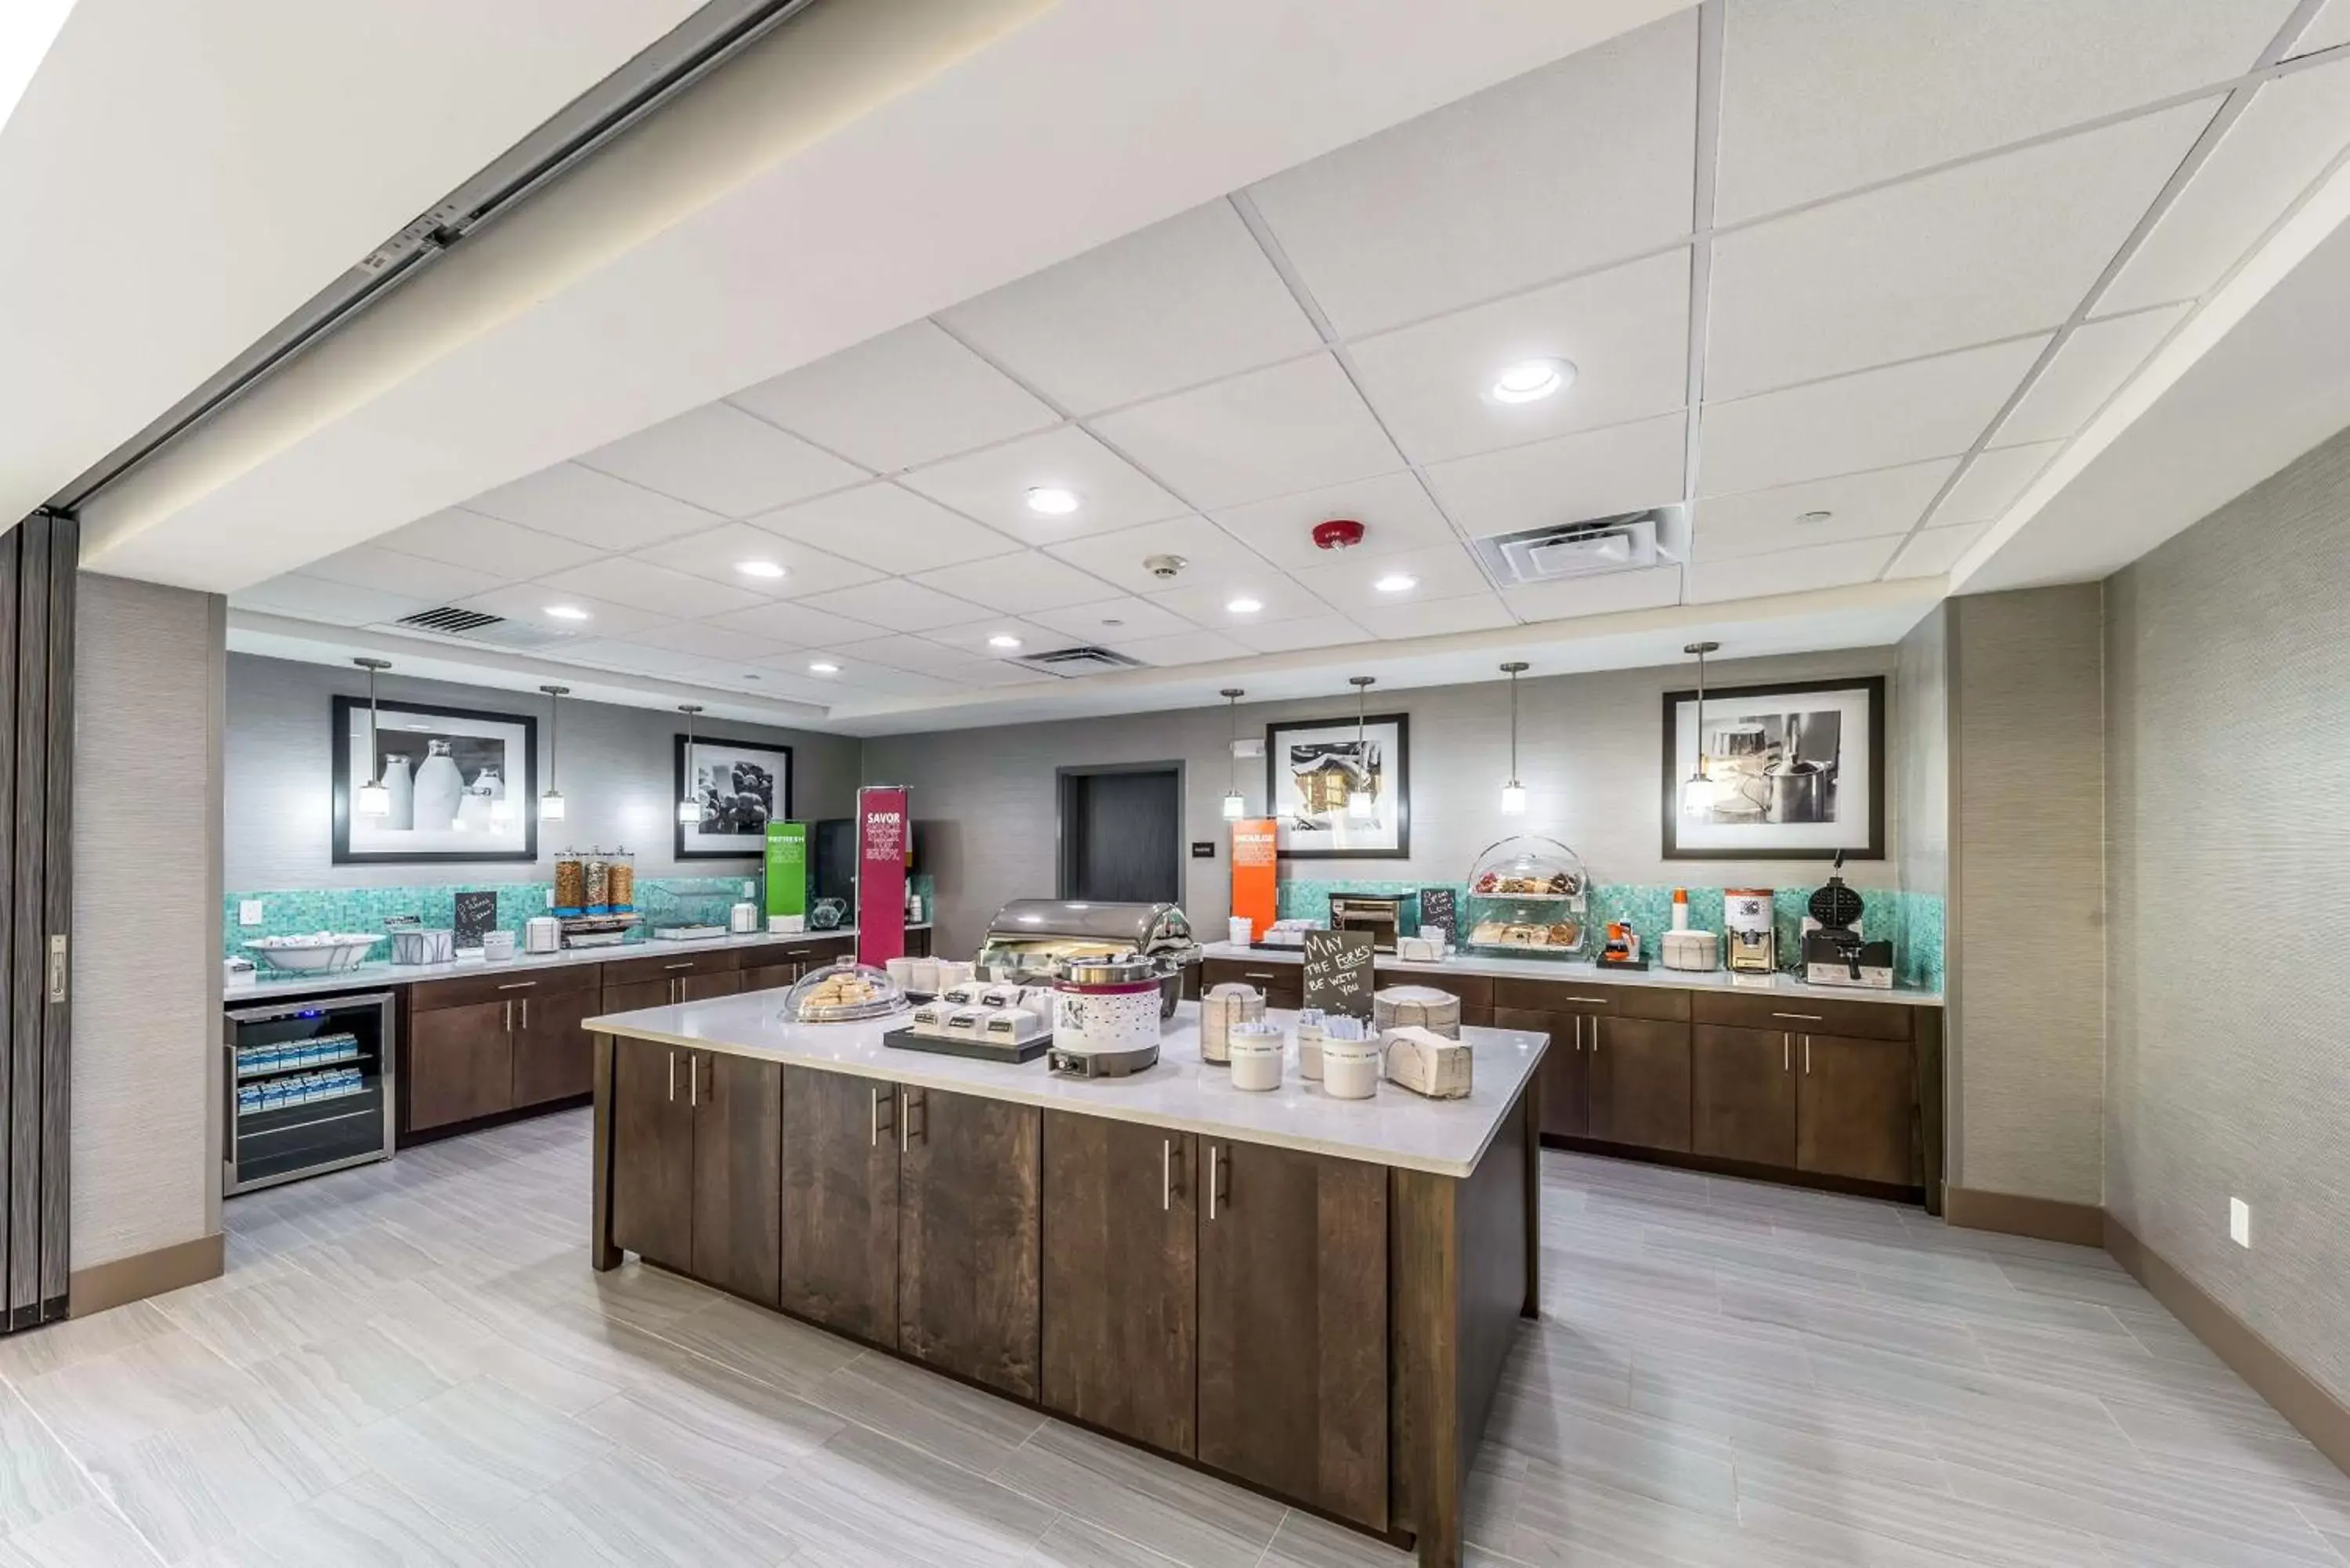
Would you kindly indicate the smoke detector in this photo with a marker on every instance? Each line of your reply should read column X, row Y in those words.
column 1164, row 566
column 1338, row 534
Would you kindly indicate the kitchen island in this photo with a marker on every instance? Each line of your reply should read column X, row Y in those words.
column 1309, row 1296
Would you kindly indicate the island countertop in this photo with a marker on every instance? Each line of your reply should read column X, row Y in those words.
column 1183, row 1093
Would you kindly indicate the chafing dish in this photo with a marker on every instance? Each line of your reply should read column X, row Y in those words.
column 1031, row 941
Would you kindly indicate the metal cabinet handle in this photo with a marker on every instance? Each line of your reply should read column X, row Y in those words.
column 508, row 1016
column 518, row 985
column 1265, row 974
column 1787, row 1053
column 1800, row 1017
column 687, row 964
column 1590, row 1000
column 1578, row 1029
column 525, row 1015
column 1594, row 1037
column 1166, row 1174
column 1807, row 1055
column 1214, row 1167
column 692, row 1080
column 673, row 1077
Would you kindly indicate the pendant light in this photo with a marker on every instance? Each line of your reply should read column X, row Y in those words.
column 1360, row 802
column 1698, row 791
column 1513, row 794
column 1235, row 804
column 689, row 809
column 373, row 798
column 550, row 805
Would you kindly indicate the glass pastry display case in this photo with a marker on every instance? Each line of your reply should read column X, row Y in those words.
column 1529, row 896
column 844, row 992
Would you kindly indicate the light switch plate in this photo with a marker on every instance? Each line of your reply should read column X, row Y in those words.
column 2240, row 1222
column 746, row 890
column 248, row 912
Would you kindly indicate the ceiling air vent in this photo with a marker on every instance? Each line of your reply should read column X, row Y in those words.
column 1072, row 661
column 473, row 626
column 1584, row 549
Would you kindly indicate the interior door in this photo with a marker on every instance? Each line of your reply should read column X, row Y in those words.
column 840, row 1202
column 1120, row 835
column 967, row 1236
column 652, row 1153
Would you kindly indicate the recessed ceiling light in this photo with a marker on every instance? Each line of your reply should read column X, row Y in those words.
column 1397, row 583
column 1052, row 500
column 759, row 568
column 1531, row 381
column 824, row 667
column 1244, row 605
column 1814, row 517
column 1000, row 640
column 566, row 612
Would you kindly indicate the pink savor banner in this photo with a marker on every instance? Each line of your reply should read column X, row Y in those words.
column 881, row 846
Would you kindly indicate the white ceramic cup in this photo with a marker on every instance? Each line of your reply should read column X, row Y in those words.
column 1350, row 1069
column 1240, row 927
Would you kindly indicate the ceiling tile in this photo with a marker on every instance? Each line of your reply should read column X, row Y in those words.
column 977, row 640
column 717, row 555
column 527, row 604
column 1394, row 509
column 1993, row 482
column 1595, row 475
column 2276, row 149
column 637, row 583
column 889, row 527
column 1822, row 96
column 390, row 572
column 635, row 658
column 486, row 544
column 1903, row 413
column 901, row 650
column 1291, row 636
column 1183, row 648
column 1568, row 166
column 1208, row 552
column 750, row 681
column 593, row 508
column 994, row 485
column 1290, row 427
column 1016, row 585
column 1441, row 617
column 1859, row 506
column 2007, row 246
column 1626, row 332
column 1788, row 571
column 710, row 642
column 1209, row 604
column 2329, row 29
column 2089, row 367
column 1610, row 593
column 905, row 398
column 898, row 605
column 1106, row 619
column 1933, row 551
column 793, row 625
column 721, row 459
column 1351, row 581
column 1189, row 300
column 315, row 599
column 878, row 680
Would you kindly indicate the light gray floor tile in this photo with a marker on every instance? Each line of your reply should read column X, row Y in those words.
column 477, row 1449
column 91, row 1535
column 139, row 1390
column 761, row 1344
column 639, row 1514
column 1304, row 1541
column 1074, row 1544
column 864, row 1498
column 37, row 1478
column 198, row 1485
column 365, row 1523
column 731, row 1438
column 1188, row 1516
column 937, row 1414
column 38, row 1352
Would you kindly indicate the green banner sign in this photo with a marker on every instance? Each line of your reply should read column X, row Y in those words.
column 788, row 868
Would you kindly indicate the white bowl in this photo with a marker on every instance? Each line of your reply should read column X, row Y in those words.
column 322, row 953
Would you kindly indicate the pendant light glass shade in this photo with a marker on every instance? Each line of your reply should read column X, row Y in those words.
column 375, row 800
column 1700, row 792
column 550, row 805
column 1235, row 803
column 689, row 807
column 1513, row 794
column 1513, row 799
column 372, row 798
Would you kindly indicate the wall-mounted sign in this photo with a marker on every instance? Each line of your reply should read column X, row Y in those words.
column 1439, row 911
column 1203, row 849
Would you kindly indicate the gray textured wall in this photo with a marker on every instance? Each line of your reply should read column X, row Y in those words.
column 617, row 772
column 2230, row 1064
column 146, row 936
column 1588, row 753
column 2026, row 959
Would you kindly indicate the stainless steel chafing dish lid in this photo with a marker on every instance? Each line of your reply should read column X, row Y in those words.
column 1144, row 928
column 1112, row 969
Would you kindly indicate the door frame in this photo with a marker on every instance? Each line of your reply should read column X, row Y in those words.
column 1065, row 780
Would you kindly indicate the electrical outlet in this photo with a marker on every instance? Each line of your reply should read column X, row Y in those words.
column 746, row 890
column 550, row 898
column 248, row 912
column 2240, row 1222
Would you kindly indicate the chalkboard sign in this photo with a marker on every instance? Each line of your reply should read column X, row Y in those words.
column 1339, row 972
column 1439, row 911
column 476, row 913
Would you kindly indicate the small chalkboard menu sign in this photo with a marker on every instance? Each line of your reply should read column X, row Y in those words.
column 1339, row 972
column 476, row 913
column 1439, row 910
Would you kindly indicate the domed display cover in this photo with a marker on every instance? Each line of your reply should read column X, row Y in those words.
column 1528, row 894
column 844, row 993
column 1528, row 867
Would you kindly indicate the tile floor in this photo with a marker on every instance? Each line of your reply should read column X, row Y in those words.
column 413, row 1364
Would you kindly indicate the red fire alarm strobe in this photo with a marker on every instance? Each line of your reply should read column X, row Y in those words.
column 1338, row 534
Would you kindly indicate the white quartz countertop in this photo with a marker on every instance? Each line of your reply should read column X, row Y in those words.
column 1182, row 1093
column 1585, row 972
column 267, row 985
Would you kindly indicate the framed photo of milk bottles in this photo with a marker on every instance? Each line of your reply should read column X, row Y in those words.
column 450, row 784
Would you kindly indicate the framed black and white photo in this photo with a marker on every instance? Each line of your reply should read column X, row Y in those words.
column 741, row 786
column 1795, row 772
column 1336, row 797
column 461, row 784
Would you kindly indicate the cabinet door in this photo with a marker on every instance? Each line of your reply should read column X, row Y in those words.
column 840, row 1202
column 702, row 987
column 1120, row 1278
column 738, row 1126
column 968, row 1217
column 631, row 996
column 459, row 1064
column 1565, row 1071
column 1293, row 1325
column 554, row 1057
column 1856, row 1109
column 770, row 976
column 1744, row 1094
column 652, row 1153
column 1640, row 1083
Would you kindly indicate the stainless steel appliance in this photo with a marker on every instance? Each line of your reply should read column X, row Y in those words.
column 1379, row 913
column 1834, row 952
column 1105, row 1017
column 1031, row 941
column 308, row 1090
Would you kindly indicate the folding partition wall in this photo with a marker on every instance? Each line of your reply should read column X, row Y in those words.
column 37, row 562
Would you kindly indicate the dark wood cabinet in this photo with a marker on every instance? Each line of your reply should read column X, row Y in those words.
column 968, row 1225
column 459, row 1063
column 1283, row 984
column 840, row 1202
column 1120, row 1286
column 1640, row 1083
column 1856, row 1109
column 554, row 1058
column 1565, row 1071
column 1744, row 1094
column 630, row 996
column 738, row 1114
column 702, row 987
column 1293, row 1347
column 770, row 976
column 652, row 1139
